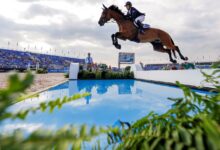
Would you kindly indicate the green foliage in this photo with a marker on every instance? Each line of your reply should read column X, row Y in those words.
column 128, row 68
column 105, row 75
column 80, row 67
column 86, row 75
column 66, row 75
column 62, row 139
column 16, row 86
column 103, row 67
column 193, row 122
column 41, row 71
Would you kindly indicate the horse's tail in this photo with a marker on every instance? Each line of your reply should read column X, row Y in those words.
column 172, row 41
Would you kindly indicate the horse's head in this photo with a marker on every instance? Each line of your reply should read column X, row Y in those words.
column 105, row 17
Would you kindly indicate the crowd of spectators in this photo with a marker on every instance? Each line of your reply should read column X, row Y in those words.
column 182, row 66
column 11, row 59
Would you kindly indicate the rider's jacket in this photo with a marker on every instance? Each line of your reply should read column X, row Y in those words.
column 133, row 13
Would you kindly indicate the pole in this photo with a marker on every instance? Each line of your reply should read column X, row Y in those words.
column 8, row 44
column 17, row 46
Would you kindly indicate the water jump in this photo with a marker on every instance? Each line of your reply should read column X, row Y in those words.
column 131, row 28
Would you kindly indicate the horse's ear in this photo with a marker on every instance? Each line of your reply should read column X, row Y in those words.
column 104, row 6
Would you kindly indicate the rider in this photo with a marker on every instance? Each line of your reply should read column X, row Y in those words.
column 136, row 16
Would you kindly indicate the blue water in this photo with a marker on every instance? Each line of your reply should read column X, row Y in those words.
column 110, row 101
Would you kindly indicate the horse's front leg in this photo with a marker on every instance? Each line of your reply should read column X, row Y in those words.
column 115, row 40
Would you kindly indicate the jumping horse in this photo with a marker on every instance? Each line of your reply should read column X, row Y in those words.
column 161, row 40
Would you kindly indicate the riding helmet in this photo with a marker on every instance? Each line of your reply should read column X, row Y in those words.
column 128, row 4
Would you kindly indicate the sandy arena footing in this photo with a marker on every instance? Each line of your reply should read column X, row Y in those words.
column 41, row 81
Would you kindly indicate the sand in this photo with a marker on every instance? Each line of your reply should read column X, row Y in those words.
column 41, row 81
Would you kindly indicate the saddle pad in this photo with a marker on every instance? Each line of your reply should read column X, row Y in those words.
column 146, row 26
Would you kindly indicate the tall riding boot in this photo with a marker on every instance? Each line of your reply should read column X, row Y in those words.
column 140, row 27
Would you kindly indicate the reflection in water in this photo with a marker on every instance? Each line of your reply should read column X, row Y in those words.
column 100, row 87
column 88, row 98
column 139, row 91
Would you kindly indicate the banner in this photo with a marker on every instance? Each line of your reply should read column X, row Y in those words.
column 126, row 58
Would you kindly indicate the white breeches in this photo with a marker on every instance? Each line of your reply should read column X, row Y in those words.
column 140, row 18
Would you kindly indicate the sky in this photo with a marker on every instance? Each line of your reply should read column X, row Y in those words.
column 70, row 28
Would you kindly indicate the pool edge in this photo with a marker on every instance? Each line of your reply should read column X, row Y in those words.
column 207, row 89
column 40, row 91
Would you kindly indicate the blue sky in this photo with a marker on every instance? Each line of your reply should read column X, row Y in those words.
column 71, row 27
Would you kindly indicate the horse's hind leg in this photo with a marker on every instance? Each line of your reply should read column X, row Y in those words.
column 159, row 47
column 174, row 53
column 180, row 54
column 177, row 49
column 168, row 42
column 170, row 55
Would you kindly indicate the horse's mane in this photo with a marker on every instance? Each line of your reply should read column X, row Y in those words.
column 116, row 9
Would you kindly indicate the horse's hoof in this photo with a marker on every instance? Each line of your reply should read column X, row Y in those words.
column 118, row 46
column 173, row 61
column 186, row 58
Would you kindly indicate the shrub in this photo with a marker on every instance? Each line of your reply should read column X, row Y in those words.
column 81, row 67
column 91, row 75
column 98, row 75
column 128, row 68
column 129, row 75
column 66, row 75
column 80, row 74
column 105, row 75
column 41, row 71
column 102, row 67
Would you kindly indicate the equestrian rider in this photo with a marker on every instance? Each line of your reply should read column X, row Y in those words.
column 136, row 16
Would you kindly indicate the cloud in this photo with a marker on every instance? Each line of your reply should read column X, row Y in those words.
column 37, row 9
column 77, row 2
column 29, row 128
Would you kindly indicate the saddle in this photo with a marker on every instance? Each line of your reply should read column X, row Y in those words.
column 135, row 38
column 146, row 26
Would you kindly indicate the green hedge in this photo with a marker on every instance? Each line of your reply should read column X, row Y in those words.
column 41, row 71
column 66, row 75
column 98, row 75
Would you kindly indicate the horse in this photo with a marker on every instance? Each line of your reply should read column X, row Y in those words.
column 161, row 40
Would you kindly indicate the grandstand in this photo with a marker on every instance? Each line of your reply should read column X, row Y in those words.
column 186, row 65
column 17, row 60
